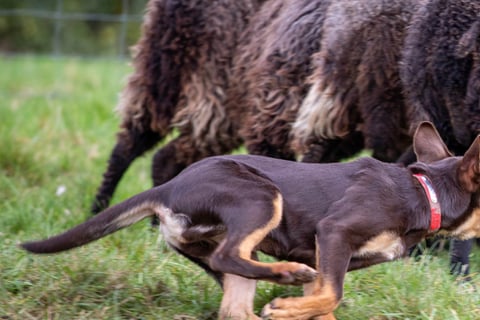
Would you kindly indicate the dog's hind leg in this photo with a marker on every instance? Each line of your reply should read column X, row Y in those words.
column 248, row 223
column 184, row 150
column 238, row 296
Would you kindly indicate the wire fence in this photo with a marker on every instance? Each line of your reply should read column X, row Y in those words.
column 52, row 27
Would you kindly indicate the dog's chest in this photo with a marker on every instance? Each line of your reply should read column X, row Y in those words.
column 387, row 244
column 470, row 228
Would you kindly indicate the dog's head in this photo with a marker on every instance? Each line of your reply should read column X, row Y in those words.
column 429, row 148
column 456, row 179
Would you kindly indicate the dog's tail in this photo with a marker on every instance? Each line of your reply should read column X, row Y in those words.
column 117, row 217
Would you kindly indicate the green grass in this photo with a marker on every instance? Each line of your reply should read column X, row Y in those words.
column 57, row 129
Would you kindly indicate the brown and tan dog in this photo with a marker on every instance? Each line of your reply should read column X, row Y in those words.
column 325, row 219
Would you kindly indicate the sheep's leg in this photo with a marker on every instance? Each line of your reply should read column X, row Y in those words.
column 165, row 165
column 383, row 135
column 130, row 145
column 334, row 150
column 459, row 257
column 264, row 148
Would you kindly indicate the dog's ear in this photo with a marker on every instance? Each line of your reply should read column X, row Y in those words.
column 469, row 169
column 428, row 145
column 468, row 42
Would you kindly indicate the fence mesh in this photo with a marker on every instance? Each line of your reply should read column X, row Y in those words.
column 70, row 27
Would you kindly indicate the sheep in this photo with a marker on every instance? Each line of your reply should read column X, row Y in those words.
column 220, row 86
column 258, row 83
column 440, row 73
column 309, row 59
column 182, row 65
column 270, row 68
column 355, row 84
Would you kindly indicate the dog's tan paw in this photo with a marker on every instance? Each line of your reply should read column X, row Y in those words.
column 268, row 311
column 295, row 274
column 279, row 309
column 301, row 308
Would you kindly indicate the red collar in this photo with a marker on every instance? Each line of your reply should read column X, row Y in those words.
column 435, row 211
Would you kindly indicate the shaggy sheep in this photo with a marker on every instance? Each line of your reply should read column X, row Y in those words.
column 270, row 71
column 182, row 66
column 181, row 81
column 355, row 84
column 320, row 79
column 440, row 71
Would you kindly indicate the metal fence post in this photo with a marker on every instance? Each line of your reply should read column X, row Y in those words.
column 58, row 28
column 123, row 29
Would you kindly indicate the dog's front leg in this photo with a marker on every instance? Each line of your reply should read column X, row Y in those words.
column 237, row 301
column 308, row 290
column 326, row 292
column 321, row 304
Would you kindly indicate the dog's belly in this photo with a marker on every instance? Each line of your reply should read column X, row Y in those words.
column 387, row 244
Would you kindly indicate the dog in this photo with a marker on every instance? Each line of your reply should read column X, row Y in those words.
column 319, row 220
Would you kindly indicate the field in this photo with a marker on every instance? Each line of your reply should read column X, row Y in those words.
column 57, row 128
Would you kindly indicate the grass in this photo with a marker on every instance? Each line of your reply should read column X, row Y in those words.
column 57, row 129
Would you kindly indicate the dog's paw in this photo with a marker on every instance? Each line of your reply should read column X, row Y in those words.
column 295, row 274
column 278, row 310
column 268, row 311
column 301, row 308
